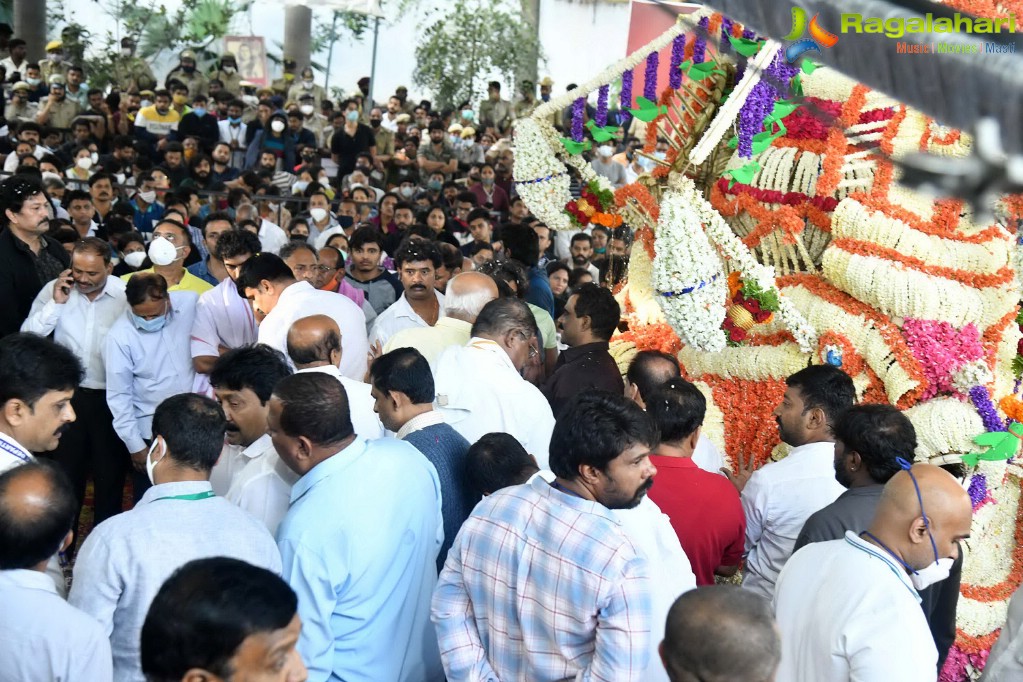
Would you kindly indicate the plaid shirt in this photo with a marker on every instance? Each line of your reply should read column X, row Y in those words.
column 541, row 585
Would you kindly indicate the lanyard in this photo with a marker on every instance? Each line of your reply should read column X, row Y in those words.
column 189, row 498
column 17, row 452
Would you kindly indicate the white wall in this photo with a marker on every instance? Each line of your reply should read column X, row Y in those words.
column 578, row 39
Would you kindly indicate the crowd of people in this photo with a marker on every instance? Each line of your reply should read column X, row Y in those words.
column 339, row 407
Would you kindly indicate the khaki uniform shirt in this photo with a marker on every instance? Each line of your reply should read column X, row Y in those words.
column 496, row 114
column 195, row 82
column 62, row 113
column 232, row 81
column 132, row 73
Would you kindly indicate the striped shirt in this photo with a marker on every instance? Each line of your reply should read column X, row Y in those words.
column 541, row 585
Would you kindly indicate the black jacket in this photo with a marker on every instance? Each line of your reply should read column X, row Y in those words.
column 19, row 282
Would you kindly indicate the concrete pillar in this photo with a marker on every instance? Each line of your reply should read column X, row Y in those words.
column 531, row 18
column 30, row 26
column 298, row 28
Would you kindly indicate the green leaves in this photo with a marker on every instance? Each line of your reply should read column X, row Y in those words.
column 807, row 66
column 601, row 134
column 1001, row 445
column 782, row 108
column 647, row 110
column 573, row 147
column 745, row 46
column 743, row 174
column 700, row 71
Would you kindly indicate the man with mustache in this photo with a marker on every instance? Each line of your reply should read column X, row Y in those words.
column 530, row 554
column 778, row 498
column 420, row 304
column 78, row 309
column 28, row 257
column 242, row 381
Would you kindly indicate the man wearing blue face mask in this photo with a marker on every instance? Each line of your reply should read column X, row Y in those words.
column 849, row 609
column 147, row 358
column 198, row 123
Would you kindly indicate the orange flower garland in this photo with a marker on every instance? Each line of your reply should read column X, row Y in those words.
column 653, row 337
column 747, row 407
column 832, row 161
column 641, row 195
column 1012, row 407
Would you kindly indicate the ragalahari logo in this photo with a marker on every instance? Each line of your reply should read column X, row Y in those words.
column 819, row 37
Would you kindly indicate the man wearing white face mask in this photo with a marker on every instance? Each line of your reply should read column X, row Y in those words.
column 170, row 247
column 179, row 519
column 849, row 609
column 602, row 164
column 147, row 358
column 305, row 85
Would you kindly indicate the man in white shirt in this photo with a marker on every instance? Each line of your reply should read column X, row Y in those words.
column 314, row 345
column 480, row 388
column 465, row 297
column 126, row 559
column 778, row 498
column 242, row 381
column 420, row 304
column 232, row 132
column 223, row 319
column 647, row 372
column 41, row 636
column 271, row 236
column 849, row 609
column 147, row 359
column 79, row 308
column 269, row 284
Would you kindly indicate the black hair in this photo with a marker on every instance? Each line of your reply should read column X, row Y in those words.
column 879, row 433
column 367, row 234
column 32, row 366
column 404, row 370
column 257, row 367
column 581, row 237
column 235, row 243
column 416, row 250
column 677, row 408
column 289, row 249
column 76, row 195
column 556, row 265
column 721, row 632
column 205, row 610
column 95, row 246
column 600, row 306
column 495, row 461
column 31, row 534
column 145, row 286
column 314, row 405
column 127, row 238
column 467, row 197
column 503, row 315
column 217, row 217
column 450, row 254
column 576, row 274
column 97, row 177
column 650, row 369
column 594, row 428
column 262, row 266
column 193, row 427
column 478, row 213
column 825, row 387
column 507, row 272
column 13, row 193
column 521, row 243
column 475, row 247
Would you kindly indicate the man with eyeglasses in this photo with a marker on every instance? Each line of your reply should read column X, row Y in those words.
column 167, row 252
column 480, row 388
column 850, row 608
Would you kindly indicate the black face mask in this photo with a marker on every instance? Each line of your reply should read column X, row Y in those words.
column 375, row 122
column 187, row 69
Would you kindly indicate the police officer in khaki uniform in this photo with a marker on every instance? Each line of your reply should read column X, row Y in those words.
column 54, row 64
column 132, row 74
column 306, row 86
column 187, row 73
column 281, row 85
column 227, row 74
column 57, row 110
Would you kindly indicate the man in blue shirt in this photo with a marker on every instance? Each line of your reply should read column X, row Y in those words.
column 359, row 554
column 521, row 244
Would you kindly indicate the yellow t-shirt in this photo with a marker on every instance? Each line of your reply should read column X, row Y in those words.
column 188, row 283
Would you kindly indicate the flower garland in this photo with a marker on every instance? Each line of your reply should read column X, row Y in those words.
column 678, row 51
column 650, row 76
column 687, row 275
column 540, row 179
column 978, row 492
column 941, row 349
column 944, row 426
column 593, row 206
column 601, row 116
column 625, row 97
column 761, row 100
column 578, row 111
column 660, row 337
column 750, row 306
column 985, row 408
column 700, row 44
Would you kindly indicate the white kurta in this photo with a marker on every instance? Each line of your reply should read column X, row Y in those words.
column 263, row 485
column 479, row 391
column 848, row 612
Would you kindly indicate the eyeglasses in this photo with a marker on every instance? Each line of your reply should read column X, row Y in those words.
column 533, row 352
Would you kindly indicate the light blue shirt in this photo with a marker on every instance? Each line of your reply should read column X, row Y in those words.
column 126, row 559
column 42, row 638
column 143, row 369
column 359, row 545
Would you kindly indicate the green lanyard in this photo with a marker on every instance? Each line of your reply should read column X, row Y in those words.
column 188, row 498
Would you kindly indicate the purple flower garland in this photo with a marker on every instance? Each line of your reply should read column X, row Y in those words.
column 601, row 117
column 726, row 33
column 986, row 409
column 761, row 101
column 700, row 46
column 650, row 76
column 978, row 490
column 625, row 97
column 678, row 53
column 578, row 109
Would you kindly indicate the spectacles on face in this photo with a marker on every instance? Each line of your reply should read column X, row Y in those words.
column 533, row 352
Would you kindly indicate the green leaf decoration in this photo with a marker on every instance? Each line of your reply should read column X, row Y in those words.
column 744, row 174
column 1001, row 446
column 699, row 72
column 1017, row 366
column 573, row 147
column 761, row 141
column 601, row 134
column 647, row 110
column 807, row 67
column 745, row 46
column 797, row 86
column 782, row 108
column 734, row 142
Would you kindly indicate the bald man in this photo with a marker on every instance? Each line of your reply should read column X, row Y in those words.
column 464, row 298
column 42, row 637
column 720, row 632
column 849, row 609
column 314, row 345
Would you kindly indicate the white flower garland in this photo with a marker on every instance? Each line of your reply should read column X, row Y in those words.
column 688, row 275
column 540, row 178
column 944, row 426
column 752, row 363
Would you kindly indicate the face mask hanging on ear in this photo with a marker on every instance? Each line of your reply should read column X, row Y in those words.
column 150, row 464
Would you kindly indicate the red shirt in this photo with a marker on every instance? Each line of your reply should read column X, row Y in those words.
column 705, row 511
